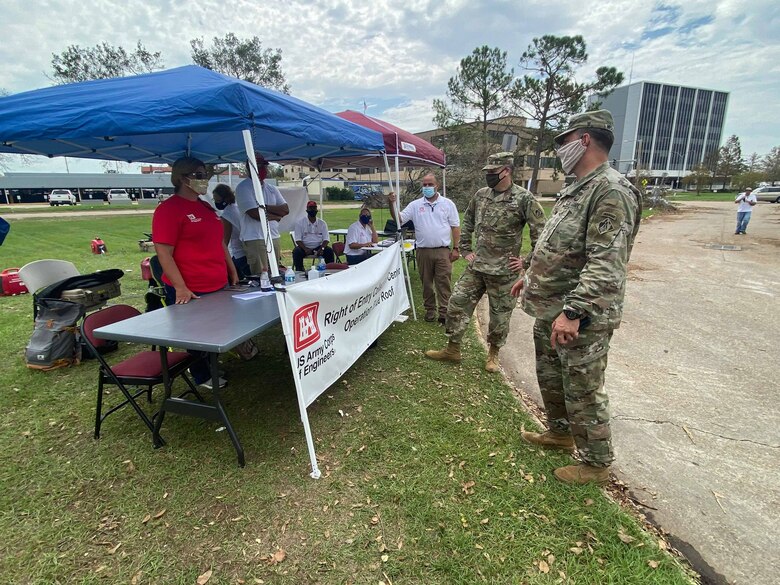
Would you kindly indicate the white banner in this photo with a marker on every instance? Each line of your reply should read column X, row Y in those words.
column 331, row 321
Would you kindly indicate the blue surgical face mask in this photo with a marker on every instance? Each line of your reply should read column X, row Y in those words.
column 428, row 191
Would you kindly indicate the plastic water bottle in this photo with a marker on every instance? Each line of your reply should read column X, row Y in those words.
column 265, row 282
column 289, row 276
column 313, row 273
column 321, row 266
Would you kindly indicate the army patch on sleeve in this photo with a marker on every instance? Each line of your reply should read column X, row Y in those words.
column 538, row 212
column 605, row 226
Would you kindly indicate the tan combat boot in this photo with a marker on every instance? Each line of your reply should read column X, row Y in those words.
column 450, row 354
column 492, row 365
column 582, row 473
column 550, row 440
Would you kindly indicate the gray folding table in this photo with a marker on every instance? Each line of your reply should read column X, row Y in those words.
column 213, row 323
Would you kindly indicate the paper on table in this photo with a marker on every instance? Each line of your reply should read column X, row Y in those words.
column 253, row 295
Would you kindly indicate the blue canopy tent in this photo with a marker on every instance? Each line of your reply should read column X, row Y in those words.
column 161, row 116
column 187, row 111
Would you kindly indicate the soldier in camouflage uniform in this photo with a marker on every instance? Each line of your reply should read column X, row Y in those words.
column 574, row 287
column 491, row 237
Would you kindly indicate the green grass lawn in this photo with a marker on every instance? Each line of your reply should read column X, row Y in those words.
column 425, row 480
column 703, row 196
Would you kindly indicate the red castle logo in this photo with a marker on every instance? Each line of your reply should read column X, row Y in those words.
column 306, row 330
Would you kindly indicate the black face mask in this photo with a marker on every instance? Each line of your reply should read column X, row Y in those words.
column 492, row 179
column 220, row 205
column 311, row 213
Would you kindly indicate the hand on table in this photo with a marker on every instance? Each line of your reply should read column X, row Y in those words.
column 184, row 295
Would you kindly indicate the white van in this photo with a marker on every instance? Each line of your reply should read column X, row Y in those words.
column 61, row 197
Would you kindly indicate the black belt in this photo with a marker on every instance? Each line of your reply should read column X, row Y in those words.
column 433, row 248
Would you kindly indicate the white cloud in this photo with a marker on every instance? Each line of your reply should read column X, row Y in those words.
column 337, row 53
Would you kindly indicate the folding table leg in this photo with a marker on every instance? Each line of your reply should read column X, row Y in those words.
column 223, row 415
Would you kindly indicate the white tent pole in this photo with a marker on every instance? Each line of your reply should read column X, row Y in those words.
column 319, row 182
column 444, row 180
column 280, row 301
column 398, row 224
column 230, row 175
column 269, row 241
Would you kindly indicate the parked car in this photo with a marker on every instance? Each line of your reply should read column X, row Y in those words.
column 768, row 194
column 118, row 196
column 61, row 197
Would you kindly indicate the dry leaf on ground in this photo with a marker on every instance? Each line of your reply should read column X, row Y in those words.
column 204, row 578
column 544, row 567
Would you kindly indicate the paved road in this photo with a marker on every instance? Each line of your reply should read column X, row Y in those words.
column 694, row 385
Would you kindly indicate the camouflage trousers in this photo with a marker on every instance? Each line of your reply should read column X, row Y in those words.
column 471, row 286
column 571, row 381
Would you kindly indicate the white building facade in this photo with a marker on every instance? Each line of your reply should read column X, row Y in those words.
column 665, row 130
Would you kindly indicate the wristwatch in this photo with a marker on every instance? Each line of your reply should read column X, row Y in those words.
column 572, row 315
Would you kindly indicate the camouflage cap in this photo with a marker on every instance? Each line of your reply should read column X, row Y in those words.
column 499, row 161
column 596, row 119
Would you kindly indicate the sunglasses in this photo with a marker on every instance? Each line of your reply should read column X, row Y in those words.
column 199, row 176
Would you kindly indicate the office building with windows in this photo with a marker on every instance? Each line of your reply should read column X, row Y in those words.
column 664, row 130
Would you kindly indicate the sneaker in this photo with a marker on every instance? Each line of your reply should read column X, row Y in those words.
column 430, row 316
column 209, row 386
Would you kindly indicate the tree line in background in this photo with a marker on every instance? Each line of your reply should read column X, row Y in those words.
column 728, row 168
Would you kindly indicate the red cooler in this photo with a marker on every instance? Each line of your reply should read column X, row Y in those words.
column 12, row 284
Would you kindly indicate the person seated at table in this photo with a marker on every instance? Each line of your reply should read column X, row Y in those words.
column 311, row 238
column 188, row 241
column 225, row 202
column 360, row 234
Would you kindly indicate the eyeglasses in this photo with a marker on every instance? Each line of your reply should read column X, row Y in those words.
column 429, row 184
column 199, row 176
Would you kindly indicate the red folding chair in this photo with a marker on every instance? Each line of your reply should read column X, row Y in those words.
column 145, row 368
column 338, row 250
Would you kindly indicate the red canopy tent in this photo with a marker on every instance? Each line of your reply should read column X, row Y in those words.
column 411, row 150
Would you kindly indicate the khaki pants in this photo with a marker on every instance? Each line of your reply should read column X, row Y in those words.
column 256, row 255
column 435, row 271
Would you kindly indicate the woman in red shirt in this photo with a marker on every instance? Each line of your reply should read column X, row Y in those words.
column 187, row 237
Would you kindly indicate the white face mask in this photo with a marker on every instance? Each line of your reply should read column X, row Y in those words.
column 570, row 154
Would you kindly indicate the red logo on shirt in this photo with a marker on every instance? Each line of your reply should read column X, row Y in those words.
column 306, row 330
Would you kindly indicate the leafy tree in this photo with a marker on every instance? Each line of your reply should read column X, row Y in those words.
column 242, row 58
column 475, row 95
column 753, row 162
column 700, row 175
column 549, row 94
column 730, row 159
column 102, row 61
column 747, row 179
column 771, row 164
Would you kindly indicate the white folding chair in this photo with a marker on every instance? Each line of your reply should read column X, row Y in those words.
column 40, row 273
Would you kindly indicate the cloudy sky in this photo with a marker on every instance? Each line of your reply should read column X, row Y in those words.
column 339, row 53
